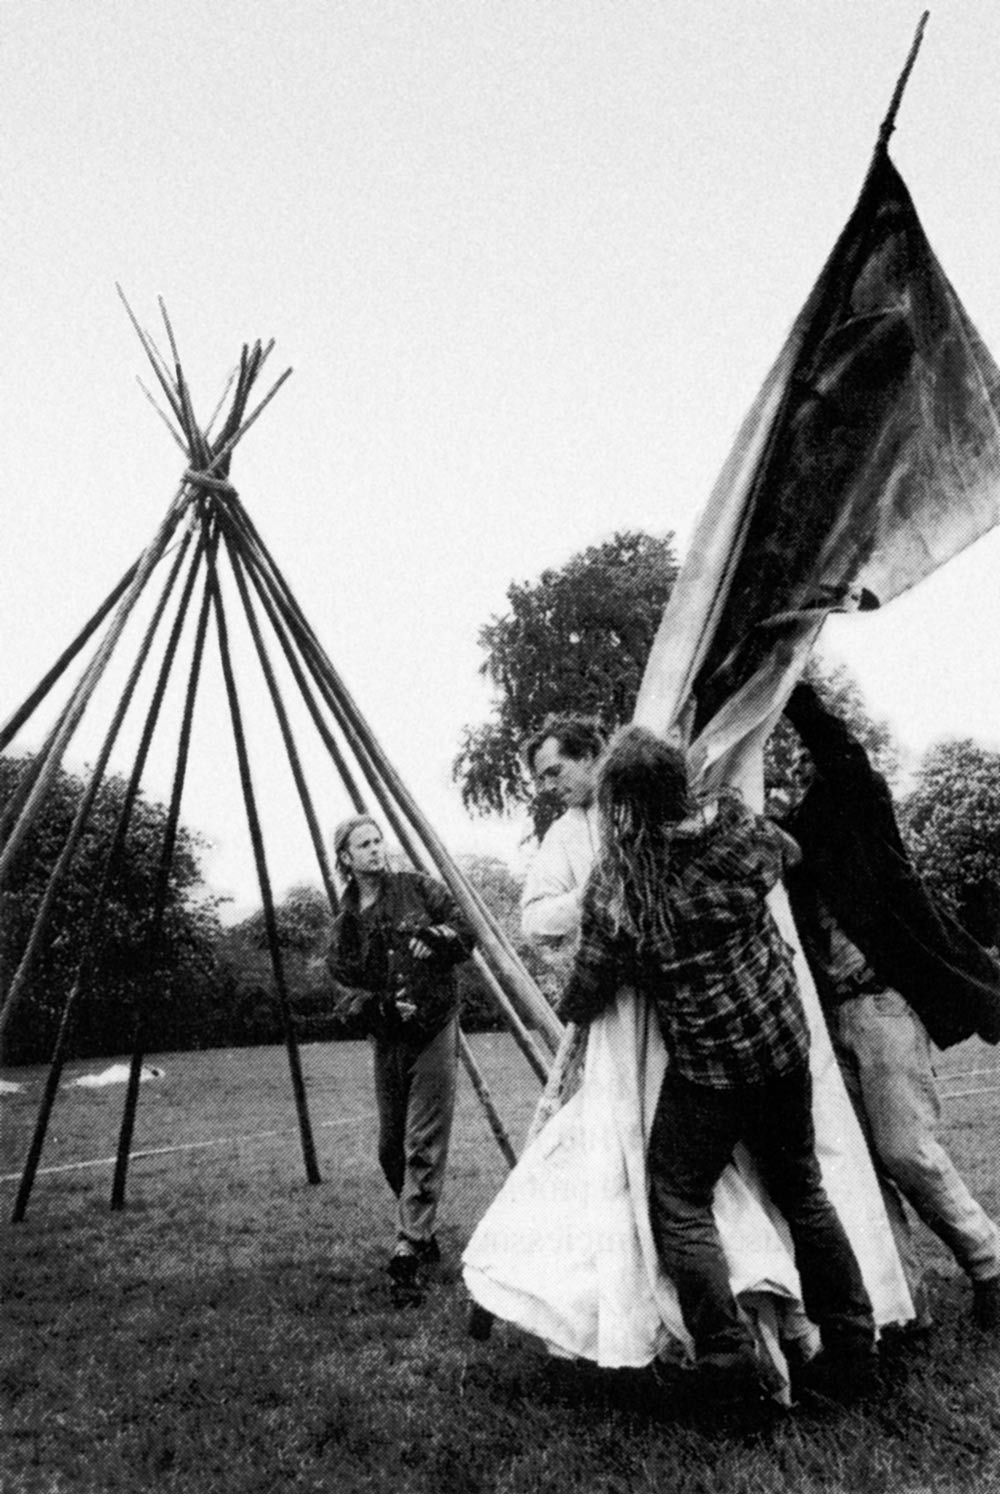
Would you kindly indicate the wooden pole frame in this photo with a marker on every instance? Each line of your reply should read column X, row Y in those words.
column 89, row 682
column 499, row 988
column 15, row 721
column 167, row 847
column 263, row 877
column 889, row 123
column 11, row 996
column 305, row 798
column 529, row 1001
column 108, row 877
column 220, row 525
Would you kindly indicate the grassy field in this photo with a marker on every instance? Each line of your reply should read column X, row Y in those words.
column 232, row 1329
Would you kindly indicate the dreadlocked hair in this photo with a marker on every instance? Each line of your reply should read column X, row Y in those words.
column 643, row 792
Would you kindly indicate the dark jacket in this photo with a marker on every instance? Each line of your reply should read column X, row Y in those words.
column 853, row 855
column 370, row 955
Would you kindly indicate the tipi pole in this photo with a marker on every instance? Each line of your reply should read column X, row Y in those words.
column 377, row 787
column 227, row 445
column 508, row 967
column 283, row 636
column 90, row 680
column 153, row 354
column 32, row 770
column 215, row 460
column 162, row 884
column 10, row 999
column 514, row 977
column 295, row 1065
column 222, row 400
column 175, row 436
column 98, row 901
column 14, row 722
column 36, row 764
column 520, row 1033
column 889, row 123
column 233, row 544
column 305, row 798
column 485, row 1098
column 565, row 1064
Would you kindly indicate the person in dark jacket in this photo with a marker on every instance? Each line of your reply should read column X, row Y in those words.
column 894, row 972
column 393, row 951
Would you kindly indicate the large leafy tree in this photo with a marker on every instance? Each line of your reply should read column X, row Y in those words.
column 576, row 639
column 952, row 822
column 127, row 976
column 250, row 1012
column 303, row 920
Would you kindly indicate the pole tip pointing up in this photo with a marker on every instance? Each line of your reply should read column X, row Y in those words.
column 889, row 123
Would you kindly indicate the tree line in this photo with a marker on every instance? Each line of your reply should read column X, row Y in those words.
column 205, row 985
column 577, row 638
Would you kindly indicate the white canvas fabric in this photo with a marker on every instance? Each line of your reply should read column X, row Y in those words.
column 566, row 1253
column 553, row 887
column 869, row 458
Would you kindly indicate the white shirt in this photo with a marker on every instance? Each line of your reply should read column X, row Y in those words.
column 553, row 888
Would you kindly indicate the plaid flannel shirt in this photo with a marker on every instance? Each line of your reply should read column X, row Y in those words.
column 722, row 978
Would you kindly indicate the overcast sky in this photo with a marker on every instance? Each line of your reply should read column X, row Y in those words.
column 529, row 261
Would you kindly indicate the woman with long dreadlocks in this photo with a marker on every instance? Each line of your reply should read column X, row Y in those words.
column 676, row 906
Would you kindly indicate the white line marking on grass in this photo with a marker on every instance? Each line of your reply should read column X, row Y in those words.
column 186, row 1146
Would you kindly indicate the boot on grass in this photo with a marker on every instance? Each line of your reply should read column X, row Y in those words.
column 404, row 1273
column 986, row 1304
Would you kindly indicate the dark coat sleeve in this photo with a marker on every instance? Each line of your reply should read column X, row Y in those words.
column 833, row 748
column 854, row 851
column 345, row 955
column 443, row 912
column 353, row 994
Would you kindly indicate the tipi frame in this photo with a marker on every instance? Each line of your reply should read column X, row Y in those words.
column 205, row 526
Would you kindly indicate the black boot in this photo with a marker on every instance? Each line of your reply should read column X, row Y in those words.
column 404, row 1273
column 837, row 1374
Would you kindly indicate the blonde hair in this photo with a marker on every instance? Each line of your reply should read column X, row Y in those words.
column 342, row 835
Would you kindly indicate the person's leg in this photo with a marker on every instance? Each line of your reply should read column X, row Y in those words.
column 901, row 1101
column 779, row 1135
column 692, row 1137
column 429, row 1112
column 390, row 1100
column 846, row 1024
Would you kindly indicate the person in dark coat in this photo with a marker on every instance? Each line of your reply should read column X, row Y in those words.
column 894, row 972
column 393, row 951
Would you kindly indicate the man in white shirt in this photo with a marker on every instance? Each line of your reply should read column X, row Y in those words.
column 562, row 758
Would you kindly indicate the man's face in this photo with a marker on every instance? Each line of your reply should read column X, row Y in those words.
column 570, row 780
column 364, row 852
column 781, row 799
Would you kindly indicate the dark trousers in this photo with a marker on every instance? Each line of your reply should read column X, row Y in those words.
column 694, row 1131
column 415, row 1094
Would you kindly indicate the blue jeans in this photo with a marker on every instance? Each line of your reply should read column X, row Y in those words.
column 884, row 1055
column 694, row 1131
